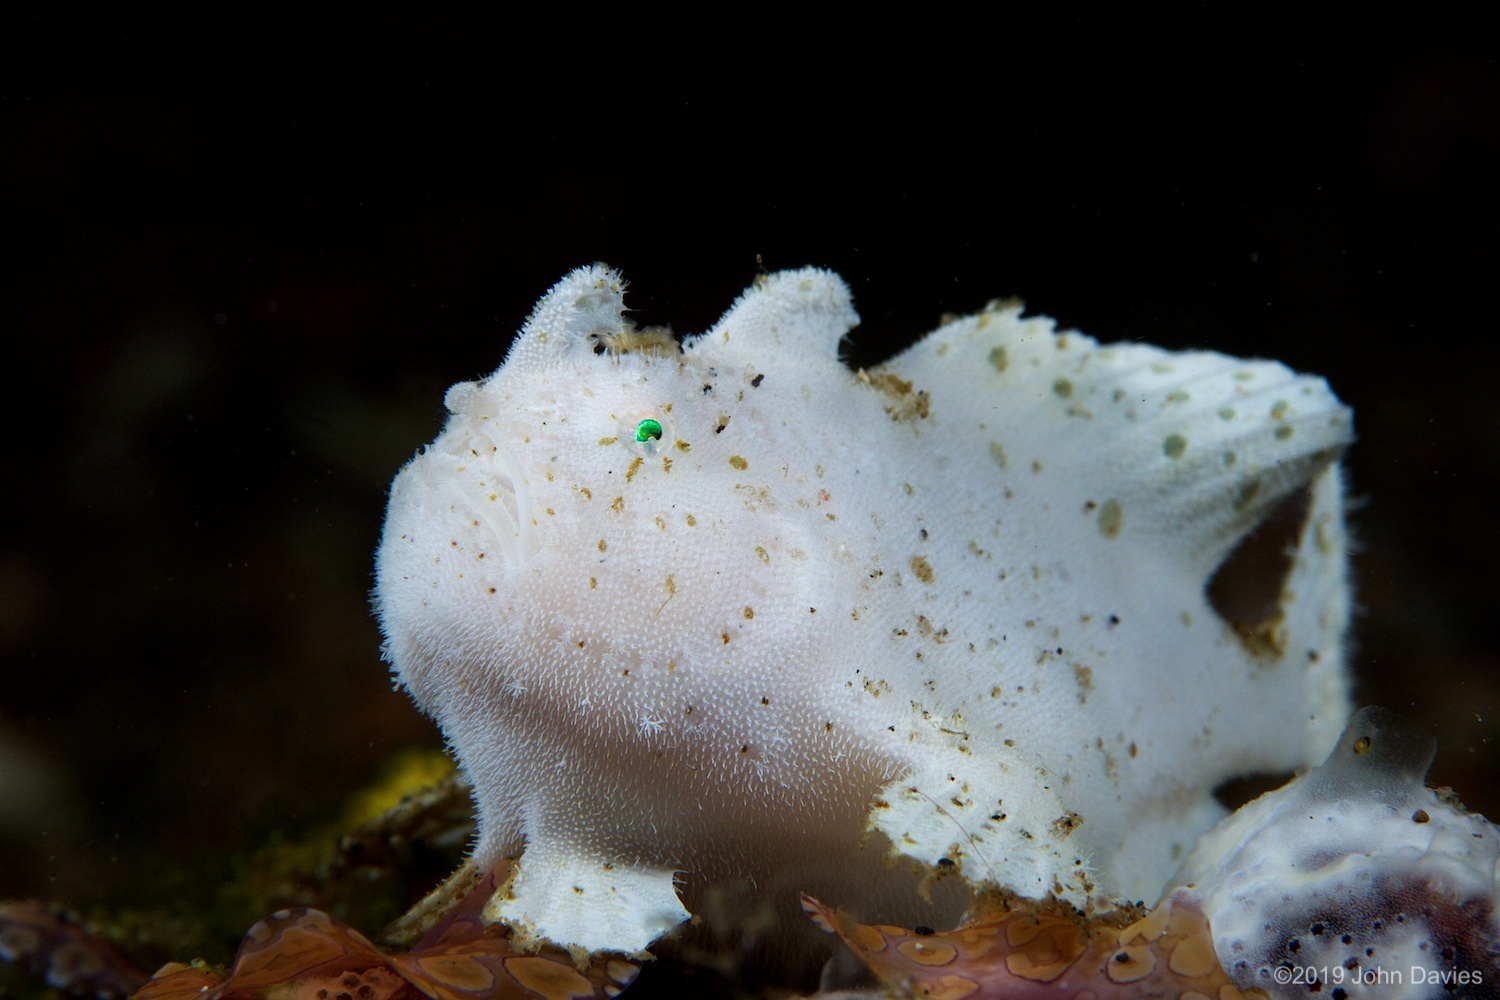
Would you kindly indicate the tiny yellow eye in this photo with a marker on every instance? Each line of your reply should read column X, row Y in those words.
column 648, row 430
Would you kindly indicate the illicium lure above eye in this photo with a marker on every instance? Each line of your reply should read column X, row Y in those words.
column 979, row 606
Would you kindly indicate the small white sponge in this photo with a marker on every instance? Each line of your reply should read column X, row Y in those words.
column 1355, row 880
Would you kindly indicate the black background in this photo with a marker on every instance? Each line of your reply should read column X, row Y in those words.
column 244, row 254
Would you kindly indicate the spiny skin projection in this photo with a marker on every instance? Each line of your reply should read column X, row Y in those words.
column 726, row 620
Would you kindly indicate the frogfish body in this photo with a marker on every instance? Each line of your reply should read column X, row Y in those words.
column 729, row 614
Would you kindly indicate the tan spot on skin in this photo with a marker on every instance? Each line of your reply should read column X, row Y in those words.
column 1019, row 932
column 976, row 940
column 1150, row 927
column 1174, row 446
column 603, row 545
column 634, row 467
column 458, row 971
column 1194, row 956
column 1246, row 494
column 904, row 404
column 1130, row 965
column 692, row 522
column 1284, row 431
column 928, row 952
column 997, row 453
column 765, row 556
column 1111, row 517
column 950, row 987
column 868, row 939
column 749, row 613
column 1066, row 824
column 621, row 972
column 608, row 440
column 1039, row 968
column 1324, row 537
column 998, row 359
column 922, row 569
column 887, row 382
column 682, row 446
column 1085, row 678
column 618, row 505
column 549, row 978
column 1062, row 388
column 593, row 583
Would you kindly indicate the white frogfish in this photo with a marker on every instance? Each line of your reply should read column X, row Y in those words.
column 725, row 616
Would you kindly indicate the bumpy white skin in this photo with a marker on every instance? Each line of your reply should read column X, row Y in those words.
column 1355, row 876
column 967, row 587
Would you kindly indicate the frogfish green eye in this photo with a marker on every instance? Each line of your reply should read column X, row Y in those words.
column 648, row 430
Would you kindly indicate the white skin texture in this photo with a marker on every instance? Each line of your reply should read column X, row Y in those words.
column 958, row 600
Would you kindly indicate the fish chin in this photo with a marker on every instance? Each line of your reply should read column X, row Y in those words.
column 458, row 537
column 488, row 493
